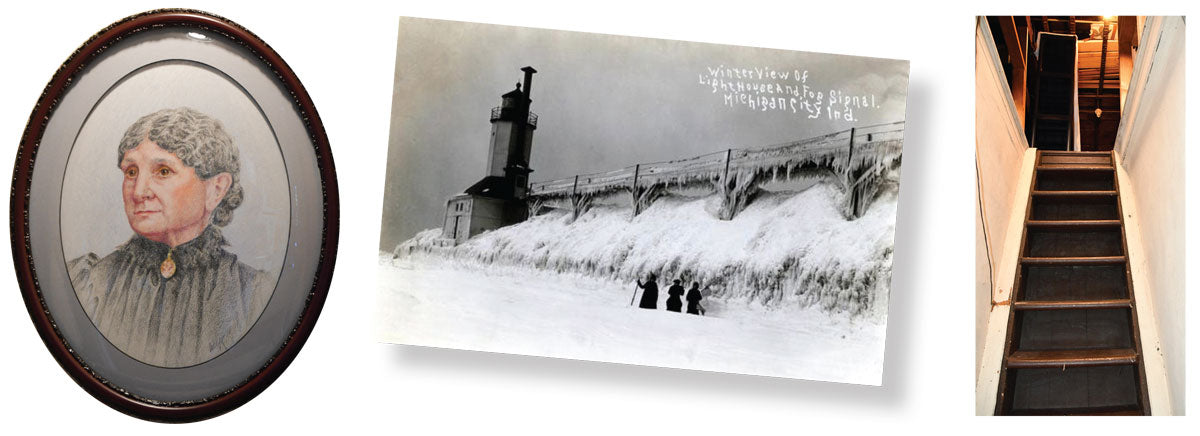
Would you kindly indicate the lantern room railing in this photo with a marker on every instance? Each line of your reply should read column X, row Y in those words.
column 532, row 120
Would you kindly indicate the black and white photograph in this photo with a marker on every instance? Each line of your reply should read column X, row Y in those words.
column 641, row 201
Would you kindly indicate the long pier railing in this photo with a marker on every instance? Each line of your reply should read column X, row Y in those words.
column 856, row 156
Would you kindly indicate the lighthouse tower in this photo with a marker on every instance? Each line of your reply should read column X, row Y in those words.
column 498, row 199
column 512, row 137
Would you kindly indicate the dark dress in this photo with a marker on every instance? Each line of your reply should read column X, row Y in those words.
column 649, row 296
column 189, row 318
column 674, row 304
column 693, row 299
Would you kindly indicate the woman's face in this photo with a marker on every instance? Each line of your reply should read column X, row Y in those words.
column 164, row 199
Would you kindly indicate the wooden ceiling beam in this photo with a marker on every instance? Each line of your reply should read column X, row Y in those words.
column 1017, row 56
column 1126, row 41
column 1077, row 19
column 1016, row 52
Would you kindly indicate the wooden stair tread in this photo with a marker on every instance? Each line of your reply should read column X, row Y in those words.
column 1131, row 410
column 1065, row 358
column 1120, row 412
column 1074, row 167
column 1097, row 260
column 1116, row 303
column 1075, row 153
column 1072, row 223
column 1075, row 193
column 1076, row 160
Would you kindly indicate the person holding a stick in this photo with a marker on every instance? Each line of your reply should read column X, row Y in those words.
column 650, row 295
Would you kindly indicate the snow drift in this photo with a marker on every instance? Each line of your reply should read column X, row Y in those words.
column 785, row 249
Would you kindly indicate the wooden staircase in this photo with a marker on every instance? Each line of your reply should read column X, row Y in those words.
column 1072, row 346
column 1050, row 114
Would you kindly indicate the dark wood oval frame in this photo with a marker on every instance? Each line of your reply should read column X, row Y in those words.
column 256, row 382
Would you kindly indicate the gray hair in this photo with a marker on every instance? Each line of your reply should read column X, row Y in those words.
column 199, row 141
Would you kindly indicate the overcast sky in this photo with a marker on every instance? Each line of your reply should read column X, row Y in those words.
column 604, row 102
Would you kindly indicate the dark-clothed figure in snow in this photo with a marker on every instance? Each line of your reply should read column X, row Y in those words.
column 693, row 299
column 172, row 295
column 650, row 295
column 674, row 303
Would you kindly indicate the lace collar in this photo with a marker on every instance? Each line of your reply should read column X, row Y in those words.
column 203, row 250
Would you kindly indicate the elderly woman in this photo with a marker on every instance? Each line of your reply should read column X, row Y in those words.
column 172, row 295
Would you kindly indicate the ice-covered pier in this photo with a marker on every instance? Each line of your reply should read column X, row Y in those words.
column 857, row 160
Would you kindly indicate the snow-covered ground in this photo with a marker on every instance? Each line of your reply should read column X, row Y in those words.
column 792, row 288
column 443, row 303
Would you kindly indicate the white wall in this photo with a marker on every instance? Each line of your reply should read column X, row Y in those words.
column 983, row 289
column 999, row 148
column 1150, row 142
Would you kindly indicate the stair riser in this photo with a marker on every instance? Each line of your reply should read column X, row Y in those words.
column 1074, row 181
column 1073, row 389
column 1073, row 283
column 1074, row 208
column 1074, row 243
column 1073, row 329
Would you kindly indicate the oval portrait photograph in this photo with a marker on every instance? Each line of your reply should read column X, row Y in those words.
column 177, row 200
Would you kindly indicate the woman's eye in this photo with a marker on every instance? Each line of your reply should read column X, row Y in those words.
column 131, row 172
column 164, row 171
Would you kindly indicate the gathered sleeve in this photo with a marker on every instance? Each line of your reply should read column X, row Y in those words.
column 80, row 272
